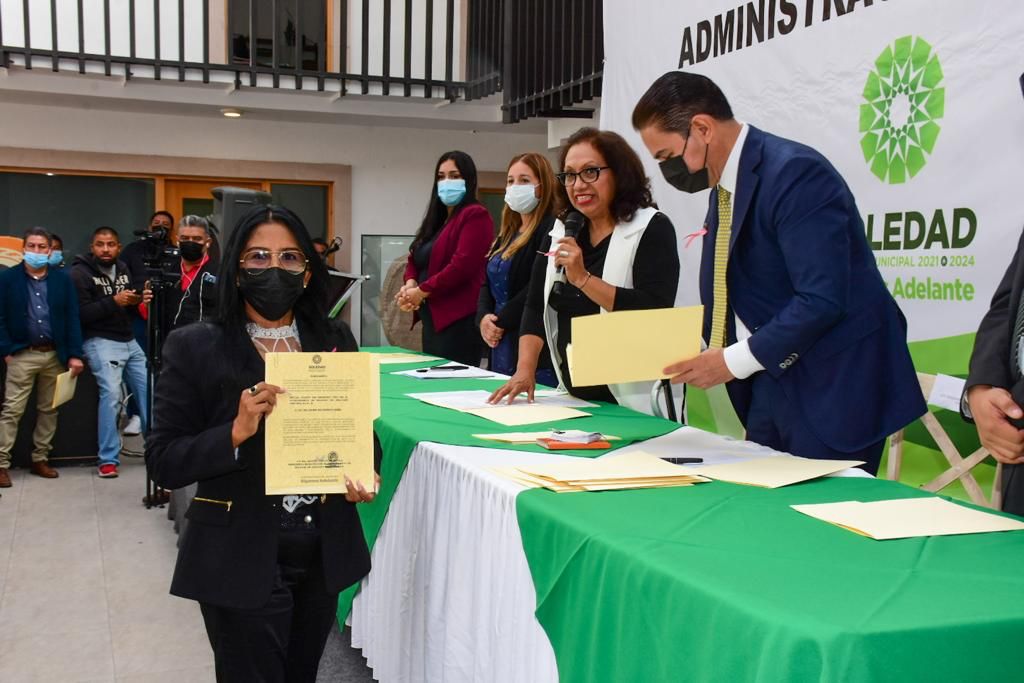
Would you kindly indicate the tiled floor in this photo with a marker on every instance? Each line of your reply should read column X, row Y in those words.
column 84, row 573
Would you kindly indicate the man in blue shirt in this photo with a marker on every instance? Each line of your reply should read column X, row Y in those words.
column 40, row 336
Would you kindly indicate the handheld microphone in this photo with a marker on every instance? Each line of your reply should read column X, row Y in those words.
column 573, row 224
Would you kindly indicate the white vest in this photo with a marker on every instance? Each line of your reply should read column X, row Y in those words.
column 618, row 271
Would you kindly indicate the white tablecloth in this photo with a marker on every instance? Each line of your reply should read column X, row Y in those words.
column 450, row 597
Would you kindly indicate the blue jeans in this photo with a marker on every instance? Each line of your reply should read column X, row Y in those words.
column 111, row 362
column 141, row 332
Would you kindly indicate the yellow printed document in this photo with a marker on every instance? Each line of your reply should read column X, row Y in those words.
column 322, row 427
column 632, row 346
column 65, row 390
column 774, row 471
column 909, row 518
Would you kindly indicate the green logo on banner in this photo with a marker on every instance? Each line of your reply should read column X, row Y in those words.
column 903, row 100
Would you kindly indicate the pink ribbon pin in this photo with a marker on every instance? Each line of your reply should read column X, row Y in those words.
column 694, row 235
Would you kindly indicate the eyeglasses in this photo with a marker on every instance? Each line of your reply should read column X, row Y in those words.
column 589, row 175
column 256, row 261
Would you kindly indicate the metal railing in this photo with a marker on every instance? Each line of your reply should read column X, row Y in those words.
column 544, row 56
column 162, row 39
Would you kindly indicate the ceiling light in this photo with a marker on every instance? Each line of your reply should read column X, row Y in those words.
column 50, row 173
column 231, row 113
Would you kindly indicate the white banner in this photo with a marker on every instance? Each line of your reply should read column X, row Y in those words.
column 916, row 102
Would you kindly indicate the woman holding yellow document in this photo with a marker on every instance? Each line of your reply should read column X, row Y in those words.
column 266, row 570
column 623, row 257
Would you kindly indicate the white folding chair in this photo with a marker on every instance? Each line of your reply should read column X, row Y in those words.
column 960, row 468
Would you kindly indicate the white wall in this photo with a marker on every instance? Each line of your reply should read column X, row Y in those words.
column 391, row 167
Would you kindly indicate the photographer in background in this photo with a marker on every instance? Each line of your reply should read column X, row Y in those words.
column 196, row 290
column 105, row 296
column 160, row 229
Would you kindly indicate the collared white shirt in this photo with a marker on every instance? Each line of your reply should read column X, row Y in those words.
column 738, row 357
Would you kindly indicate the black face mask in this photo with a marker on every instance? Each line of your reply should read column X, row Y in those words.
column 273, row 292
column 191, row 251
column 678, row 176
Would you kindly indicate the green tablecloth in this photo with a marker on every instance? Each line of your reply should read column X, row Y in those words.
column 720, row 582
column 405, row 421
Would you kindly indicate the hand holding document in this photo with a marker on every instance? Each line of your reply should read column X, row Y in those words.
column 636, row 470
column 774, row 471
column 321, row 430
column 632, row 346
column 65, row 389
column 909, row 518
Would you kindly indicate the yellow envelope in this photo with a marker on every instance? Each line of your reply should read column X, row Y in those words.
column 65, row 390
column 909, row 518
column 774, row 471
column 632, row 346
column 516, row 415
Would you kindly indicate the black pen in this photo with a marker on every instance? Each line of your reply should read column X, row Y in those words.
column 443, row 367
column 683, row 461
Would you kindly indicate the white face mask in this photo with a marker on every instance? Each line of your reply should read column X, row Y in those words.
column 522, row 198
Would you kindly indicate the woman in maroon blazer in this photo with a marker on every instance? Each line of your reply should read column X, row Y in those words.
column 447, row 260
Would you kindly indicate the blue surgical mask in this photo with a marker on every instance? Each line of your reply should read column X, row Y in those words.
column 451, row 192
column 522, row 198
column 56, row 257
column 34, row 260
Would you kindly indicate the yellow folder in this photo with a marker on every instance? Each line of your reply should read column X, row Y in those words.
column 65, row 389
column 632, row 346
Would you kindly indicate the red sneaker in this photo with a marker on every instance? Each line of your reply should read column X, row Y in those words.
column 108, row 471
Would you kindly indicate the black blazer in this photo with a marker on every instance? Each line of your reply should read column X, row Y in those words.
column 228, row 555
column 519, row 285
column 990, row 360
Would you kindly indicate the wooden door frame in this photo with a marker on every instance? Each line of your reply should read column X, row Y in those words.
column 336, row 177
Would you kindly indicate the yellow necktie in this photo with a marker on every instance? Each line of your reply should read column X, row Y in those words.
column 721, row 301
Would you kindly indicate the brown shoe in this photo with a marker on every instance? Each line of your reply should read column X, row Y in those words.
column 5, row 478
column 43, row 469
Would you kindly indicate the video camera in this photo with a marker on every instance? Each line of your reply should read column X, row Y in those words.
column 161, row 258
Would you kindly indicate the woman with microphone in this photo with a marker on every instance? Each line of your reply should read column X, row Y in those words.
column 530, row 197
column 623, row 257
column 266, row 570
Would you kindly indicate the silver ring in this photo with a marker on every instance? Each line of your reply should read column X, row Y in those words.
column 254, row 389
column 563, row 253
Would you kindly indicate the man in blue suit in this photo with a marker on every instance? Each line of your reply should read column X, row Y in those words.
column 797, row 319
column 40, row 336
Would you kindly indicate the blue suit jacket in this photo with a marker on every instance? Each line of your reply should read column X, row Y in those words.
column 63, row 300
column 803, row 279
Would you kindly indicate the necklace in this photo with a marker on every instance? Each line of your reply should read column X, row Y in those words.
column 287, row 336
column 290, row 330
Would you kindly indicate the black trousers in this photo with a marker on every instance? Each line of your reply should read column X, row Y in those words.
column 459, row 342
column 1013, row 489
column 282, row 641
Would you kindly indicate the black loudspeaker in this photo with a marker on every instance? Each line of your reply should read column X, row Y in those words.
column 230, row 204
